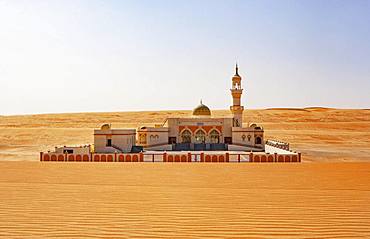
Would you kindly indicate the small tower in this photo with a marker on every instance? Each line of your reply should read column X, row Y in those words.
column 236, row 92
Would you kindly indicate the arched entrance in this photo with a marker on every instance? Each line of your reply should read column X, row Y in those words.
column 215, row 137
column 186, row 136
column 258, row 140
column 200, row 137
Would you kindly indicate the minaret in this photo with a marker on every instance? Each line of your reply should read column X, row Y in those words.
column 236, row 93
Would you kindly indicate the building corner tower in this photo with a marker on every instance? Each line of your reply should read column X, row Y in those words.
column 236, row 92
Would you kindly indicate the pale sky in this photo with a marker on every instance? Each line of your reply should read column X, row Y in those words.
column 95, row 56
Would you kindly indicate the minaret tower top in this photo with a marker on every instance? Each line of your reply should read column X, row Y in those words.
column 237, row 80
column 236, row 93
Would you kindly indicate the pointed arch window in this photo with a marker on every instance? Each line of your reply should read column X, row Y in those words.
column 258, row 140
column 200, row 136
column 186, row 136
column 215, row 136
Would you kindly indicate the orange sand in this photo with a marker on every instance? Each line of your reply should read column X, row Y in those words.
column 163, row 200
column 320, row 134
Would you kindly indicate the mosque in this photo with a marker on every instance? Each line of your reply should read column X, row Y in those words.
column 197, row 137
column 197, row 132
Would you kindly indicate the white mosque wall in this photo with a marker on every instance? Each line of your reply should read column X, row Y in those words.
column 152, row 136
column 172, row 125
column 120, row 140
column 247, row 137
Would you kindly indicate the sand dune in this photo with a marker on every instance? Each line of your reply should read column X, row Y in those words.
column 164, row 200
column 321, row 134
column 155, row 200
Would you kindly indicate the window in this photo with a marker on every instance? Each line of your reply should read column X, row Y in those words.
column 215, row 137
column 228, row 140
column 142, row 138
column 109, row 142
column 68, row 151
column 186, row 136
column 258, row 140
column 154, row 137
column 172, row 140
column 200, row 136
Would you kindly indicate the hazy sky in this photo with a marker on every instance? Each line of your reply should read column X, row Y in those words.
column 78, row 56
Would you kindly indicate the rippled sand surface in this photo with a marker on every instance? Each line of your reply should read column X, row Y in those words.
column 146, row 200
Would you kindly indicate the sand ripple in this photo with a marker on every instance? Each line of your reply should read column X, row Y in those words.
column 76, row 200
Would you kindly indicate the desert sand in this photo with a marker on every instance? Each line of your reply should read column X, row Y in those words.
column 182, row 200
column 321, row 134
column 326, row 196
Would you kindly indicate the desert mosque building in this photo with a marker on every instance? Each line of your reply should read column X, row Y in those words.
column 197, row 137
column 199, row 131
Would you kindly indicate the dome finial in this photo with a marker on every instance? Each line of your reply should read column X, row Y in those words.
column 236, row 69
column 201, row 102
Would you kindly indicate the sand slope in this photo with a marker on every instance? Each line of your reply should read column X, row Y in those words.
column 156, row 200
column 321, row 134
column 164, row 200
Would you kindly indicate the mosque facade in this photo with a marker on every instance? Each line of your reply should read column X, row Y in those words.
column 198, row 131
column 199, row 137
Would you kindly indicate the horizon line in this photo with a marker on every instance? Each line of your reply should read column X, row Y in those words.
column 164, row 110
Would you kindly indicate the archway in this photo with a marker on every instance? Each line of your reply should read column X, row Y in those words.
column 215, row 136
column 258, row 140
column 200, row 136
column 186, row 136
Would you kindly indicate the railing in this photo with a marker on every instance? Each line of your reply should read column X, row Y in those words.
column 278, row 144
column 202, row 157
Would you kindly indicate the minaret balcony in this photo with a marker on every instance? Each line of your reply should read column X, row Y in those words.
column 236, row 108
column 236, row 90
